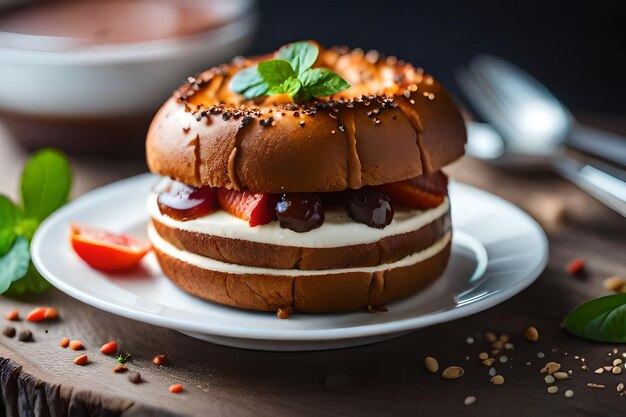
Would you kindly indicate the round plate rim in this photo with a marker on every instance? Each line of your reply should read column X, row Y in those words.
column 361, row 331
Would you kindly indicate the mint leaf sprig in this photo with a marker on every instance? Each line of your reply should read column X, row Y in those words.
column 45, row 186
column 289, row 73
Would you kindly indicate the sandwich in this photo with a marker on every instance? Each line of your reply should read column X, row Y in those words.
column 308, row 180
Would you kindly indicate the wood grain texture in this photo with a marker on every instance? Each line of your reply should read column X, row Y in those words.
column 383, row 379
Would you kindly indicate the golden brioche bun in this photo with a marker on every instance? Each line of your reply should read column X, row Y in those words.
column 394, row 123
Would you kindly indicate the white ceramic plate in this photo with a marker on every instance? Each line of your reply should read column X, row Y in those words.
column 497, row 251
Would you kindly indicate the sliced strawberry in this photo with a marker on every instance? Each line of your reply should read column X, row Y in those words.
column 255, row 208
column 423, row 192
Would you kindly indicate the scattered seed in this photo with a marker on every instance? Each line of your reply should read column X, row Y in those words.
column 541, row 355
column 616, row 284
column 9, row 331
column 495, row 351
column 504, row 359
column 504, row 338
column 120, row 369
column 617, row 361
column 620, row 387
column 615, row 351
column 551, row 367
column 616, row 370
column 159, row 359
column 176, row 388
column 608, row 368
column 452, row 372
column 599, row 370
column 498, row 344
column 490, row 337
column 65, row 342
column 483, row 355
column 81, row 360
column 284, row 312
column 497, row 380
column 594, row 385
column 553, row 389
column 569, row 393
column 584, row 367
column 509, row 346
column 431, row 364
column 134, row 377
column 469, row 340
column 532, row 334
column 13, row 315
column 76, row 345
column 109, row 348
column 561, row 375
column 549, row 379
column 42, row 313
column 488, row 361
column 25, row 336
column 469, row 400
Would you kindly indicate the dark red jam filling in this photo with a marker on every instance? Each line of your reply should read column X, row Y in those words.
column 302, row 212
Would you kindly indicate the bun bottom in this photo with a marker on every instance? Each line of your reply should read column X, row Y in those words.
column 307, row 293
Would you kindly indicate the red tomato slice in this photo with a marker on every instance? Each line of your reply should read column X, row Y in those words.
column 107, row 251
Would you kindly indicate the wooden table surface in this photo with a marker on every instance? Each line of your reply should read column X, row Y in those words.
column 382, row 379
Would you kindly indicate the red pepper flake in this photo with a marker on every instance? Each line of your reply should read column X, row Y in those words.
column 109, row 348
column 120, row 369
column 65, row 342
column 81, row 360
column 76, row 345
column 575, row 266
column 159, row 359
column 13, row 315
column 176, row 388
column 42, row 313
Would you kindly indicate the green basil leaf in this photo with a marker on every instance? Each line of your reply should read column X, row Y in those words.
column 290, row 86
column 321, row 82
column 249, row 83
column 46, row 183
column 602, row 319
column 26, row 227
column 9, row 215
column 14, row 264
column 31, row 283
column 275, row 71
column 301, row 55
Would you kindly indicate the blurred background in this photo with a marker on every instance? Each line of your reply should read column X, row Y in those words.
column 88, row 75
column 70, row 66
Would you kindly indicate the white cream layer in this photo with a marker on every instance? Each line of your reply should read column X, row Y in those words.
column 213, row 265
column 338, row 228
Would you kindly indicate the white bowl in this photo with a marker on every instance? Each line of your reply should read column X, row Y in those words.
column 63, row 85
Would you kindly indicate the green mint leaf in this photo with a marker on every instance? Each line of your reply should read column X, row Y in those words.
column 321, row 82
column 290, row 86
column 301, row 55
column 46, row 183
column 9, row 215
column 31, row 283
column 249, row 83
column 14, row 264
column 602, row 319
column 275, row 71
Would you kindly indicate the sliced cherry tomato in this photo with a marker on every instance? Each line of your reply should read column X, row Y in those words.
column 423, row 192
column 105, row 250
column 255, row 208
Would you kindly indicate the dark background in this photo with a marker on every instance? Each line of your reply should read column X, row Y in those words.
column 578, row 49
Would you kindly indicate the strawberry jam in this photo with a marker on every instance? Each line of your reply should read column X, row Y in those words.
column 182, row 202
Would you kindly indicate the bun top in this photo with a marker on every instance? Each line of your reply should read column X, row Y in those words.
column 395, row 122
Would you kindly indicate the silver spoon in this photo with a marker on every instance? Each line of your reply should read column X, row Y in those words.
column 534, row 128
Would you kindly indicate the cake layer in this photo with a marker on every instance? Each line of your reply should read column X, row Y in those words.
column 305, row 291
